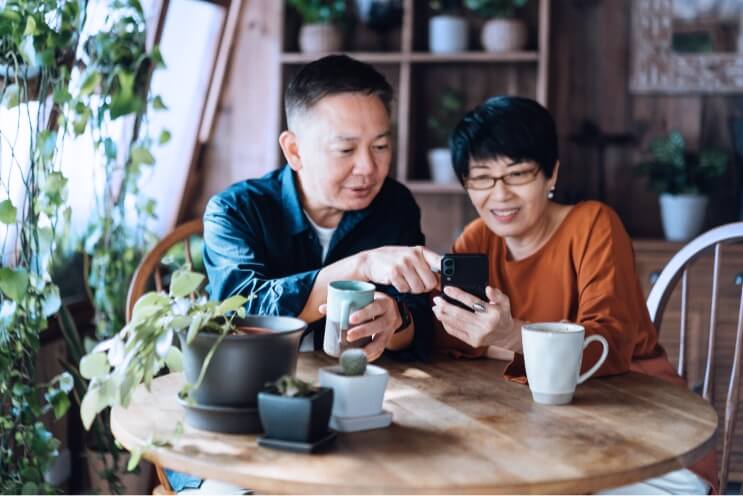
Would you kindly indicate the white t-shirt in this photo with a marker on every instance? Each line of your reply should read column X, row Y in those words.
column 324, row 235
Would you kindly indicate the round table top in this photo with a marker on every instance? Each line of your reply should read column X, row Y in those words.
column 458, row 427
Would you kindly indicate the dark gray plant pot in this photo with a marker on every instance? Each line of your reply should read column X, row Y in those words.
column 242, row 364
column 297, row 419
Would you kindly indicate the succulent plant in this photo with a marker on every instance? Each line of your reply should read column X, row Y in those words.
column 287, row 385
column 353, row 362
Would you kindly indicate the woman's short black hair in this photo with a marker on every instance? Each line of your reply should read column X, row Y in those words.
column 332, row 75
column 510, row 127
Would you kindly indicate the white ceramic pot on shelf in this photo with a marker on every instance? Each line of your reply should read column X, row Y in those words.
column 448, row 34
column 504, row 35
column 682, row 215
column 442, row 171
column 320, row 38
column 358, row 395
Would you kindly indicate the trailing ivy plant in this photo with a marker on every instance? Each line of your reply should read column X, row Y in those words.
column 37, row 39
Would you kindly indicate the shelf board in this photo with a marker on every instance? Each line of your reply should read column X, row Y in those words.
column 420, row 57
column 474, row 56
column 369, row 57
column 431, row 187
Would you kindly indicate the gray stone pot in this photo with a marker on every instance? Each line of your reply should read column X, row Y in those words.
column 243, row 364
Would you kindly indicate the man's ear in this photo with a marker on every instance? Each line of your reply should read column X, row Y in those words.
column 290, row 147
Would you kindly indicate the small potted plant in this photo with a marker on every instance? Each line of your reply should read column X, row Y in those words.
column 441, row 122
column 501, row 32
column 683, row 180
column 359, row 392
column 448, row 30
column 295, row 415
column 216, row 348
column 320, row 31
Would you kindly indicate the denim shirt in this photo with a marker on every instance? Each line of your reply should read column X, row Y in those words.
column 258, row 240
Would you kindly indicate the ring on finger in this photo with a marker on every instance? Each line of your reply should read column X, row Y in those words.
column 478, row 307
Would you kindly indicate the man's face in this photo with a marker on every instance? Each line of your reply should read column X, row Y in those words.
column 343, row 151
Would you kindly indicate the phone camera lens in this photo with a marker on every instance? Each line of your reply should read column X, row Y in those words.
column 448, row 271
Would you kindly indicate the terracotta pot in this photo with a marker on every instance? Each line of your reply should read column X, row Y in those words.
column 134, row 483
column 319, row 38
column 504, row 35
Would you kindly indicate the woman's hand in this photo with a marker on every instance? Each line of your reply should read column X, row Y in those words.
column 490, row 323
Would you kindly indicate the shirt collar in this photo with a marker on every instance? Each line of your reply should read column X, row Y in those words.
column 293, row 213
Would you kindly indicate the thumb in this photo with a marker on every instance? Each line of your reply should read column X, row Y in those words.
column 323, row 309
column 492, row 294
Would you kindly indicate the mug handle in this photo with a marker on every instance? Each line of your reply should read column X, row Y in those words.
column 584, row 377
column 345, row 311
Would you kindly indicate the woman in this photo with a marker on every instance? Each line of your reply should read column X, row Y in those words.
column 547, row 261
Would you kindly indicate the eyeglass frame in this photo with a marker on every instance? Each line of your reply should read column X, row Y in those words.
column 494, row 179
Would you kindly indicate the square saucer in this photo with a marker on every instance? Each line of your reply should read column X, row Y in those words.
column 354, row 424
column 298, row 446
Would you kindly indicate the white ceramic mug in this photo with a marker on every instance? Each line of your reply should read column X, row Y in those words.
column 344, row 298
column 553, row 352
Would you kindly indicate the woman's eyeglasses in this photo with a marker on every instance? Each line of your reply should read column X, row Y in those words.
column 516, row 178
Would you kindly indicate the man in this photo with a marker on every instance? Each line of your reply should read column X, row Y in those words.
column 331, row 213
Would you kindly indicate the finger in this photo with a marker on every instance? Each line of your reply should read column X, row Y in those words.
column 367, row 329
column 453, row 328
column 367, row 313
column 375, row 349
column 432, row 258
column 463, row 296
column 496, row 296
column 409, row 271
column 467, row 318
column 399, row 283
column 323, row 309
column 425, row 271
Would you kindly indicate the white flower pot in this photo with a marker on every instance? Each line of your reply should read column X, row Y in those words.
column 682, row 215
column 504, row 35
column 442, row 171
column 320, row 38
column 355, row 396
column 447, row 34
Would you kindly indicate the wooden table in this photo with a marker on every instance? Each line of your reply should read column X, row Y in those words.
column 459, row 427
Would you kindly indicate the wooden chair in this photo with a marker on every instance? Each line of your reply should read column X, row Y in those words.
column 677, row 268
column 152, row 267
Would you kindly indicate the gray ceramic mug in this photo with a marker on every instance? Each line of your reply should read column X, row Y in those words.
column 344, row 298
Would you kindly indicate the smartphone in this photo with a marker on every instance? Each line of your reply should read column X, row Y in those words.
column 466, row 271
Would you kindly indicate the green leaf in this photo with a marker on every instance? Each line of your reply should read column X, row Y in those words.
column 158, row 104
column 141, row 155
column 94, row 365
column 30, row 27
column 174, row 359
column 93, row 402
column 164, row 137
column 185, row 282
column 66, row 382
column 148, row 305
column 134, row 458
column 52, row 300
column 193, row 329
column 60, row 405
column 231, row 304
column 109, row 146
column 27, row 50
column 12, row 96
column 91, row 82
column 7, row 212
column 13, row 283
column 123, row 104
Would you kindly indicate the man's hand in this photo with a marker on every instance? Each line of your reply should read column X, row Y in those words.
column 491, row 326
column 408, row 269
column 379, row 320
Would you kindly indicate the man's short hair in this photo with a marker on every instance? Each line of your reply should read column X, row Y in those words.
column 332, row 75
column 509, row 127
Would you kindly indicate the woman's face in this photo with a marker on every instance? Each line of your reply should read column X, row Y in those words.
column 513, row 210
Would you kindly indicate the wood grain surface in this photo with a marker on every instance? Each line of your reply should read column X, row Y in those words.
column 458, row 427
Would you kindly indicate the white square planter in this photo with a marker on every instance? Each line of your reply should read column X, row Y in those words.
column 355, row 396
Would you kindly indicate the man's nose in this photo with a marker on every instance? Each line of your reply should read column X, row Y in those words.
column 364, row 163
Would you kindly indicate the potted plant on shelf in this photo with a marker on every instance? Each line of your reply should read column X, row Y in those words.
column 320, row 31
column 295, row 415
column 448, row 30
column 683, row 179
column 501, row 32
column 444, row 116
column 358, row 392
column 216, row 348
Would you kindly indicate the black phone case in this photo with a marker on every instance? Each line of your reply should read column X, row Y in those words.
column 470, row 274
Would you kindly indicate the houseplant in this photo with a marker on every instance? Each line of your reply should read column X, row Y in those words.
column 448, row 30
column 684, row 179
column 358, row 390
column 442, row 119
column 320, row 31
column 502, row 32
column 294, row 411
column 36, row 41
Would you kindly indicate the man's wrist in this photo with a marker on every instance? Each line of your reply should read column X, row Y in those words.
column 405, row 315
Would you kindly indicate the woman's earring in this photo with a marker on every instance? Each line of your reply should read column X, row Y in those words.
column 551, row 194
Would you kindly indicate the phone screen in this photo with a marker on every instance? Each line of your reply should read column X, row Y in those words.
column 466, row 271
